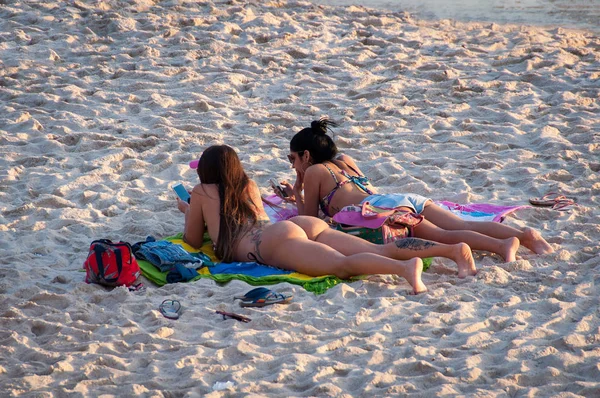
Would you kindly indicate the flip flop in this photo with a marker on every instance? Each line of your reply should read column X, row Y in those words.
column 550, row 199
column 564, row 205
column 261, row 297
column 170, row 309
column 253, row 294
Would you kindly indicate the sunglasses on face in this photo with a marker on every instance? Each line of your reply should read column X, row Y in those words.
column 292, row 158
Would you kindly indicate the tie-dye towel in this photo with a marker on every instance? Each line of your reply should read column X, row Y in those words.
column 278, row 210
column 480, row 211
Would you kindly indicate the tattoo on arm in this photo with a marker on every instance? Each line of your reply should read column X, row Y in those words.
column 414, row 244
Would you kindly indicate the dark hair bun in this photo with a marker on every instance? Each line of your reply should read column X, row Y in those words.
column 322, row 125
column 318, row 127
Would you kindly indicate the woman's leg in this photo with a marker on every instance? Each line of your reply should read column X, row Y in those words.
column 460, row 253
column 529, row 237
column 507, row 248
column 287, row 245
column 402, row 249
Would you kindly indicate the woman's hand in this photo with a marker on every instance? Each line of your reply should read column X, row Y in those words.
column 289, row 191
column 294, row 192
column 182, row 206
column 298, row 188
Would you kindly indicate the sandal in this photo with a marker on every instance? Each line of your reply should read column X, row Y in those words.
column 261, row 297
column 564, row 205
column 170, row 309
column 253, row 294
column 550, row 199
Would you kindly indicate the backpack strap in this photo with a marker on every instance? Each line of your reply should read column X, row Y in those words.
column 119, row 262
column 99, row 248
column 131, row 255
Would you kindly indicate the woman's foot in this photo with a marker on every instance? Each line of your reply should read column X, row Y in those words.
column 414, row 268
column 534, row 241
column 509, row 249
column 464, row 260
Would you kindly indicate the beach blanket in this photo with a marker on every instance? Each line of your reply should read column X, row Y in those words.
column 480, row 211
column 249, row 272
column 279, row 210
column 258, row 274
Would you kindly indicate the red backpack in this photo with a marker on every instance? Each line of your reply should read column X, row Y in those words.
column 111, row 264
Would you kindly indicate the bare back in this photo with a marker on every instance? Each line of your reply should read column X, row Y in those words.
column 329, row 191
column 205, row 208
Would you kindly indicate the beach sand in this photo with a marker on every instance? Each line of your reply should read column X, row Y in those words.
column 104, row 103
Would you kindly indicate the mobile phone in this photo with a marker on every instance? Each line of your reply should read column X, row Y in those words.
column 278, row 187
column 182, row 192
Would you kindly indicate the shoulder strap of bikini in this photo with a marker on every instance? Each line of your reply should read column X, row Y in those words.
column 332, row 173
column 351, row 168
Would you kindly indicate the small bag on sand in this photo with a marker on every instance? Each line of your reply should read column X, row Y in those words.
column 375, row 224
column 111, row 264
column 382, row 235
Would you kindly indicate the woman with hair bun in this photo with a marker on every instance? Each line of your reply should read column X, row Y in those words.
column 330, row 182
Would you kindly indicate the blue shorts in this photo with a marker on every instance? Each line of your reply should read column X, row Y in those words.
column 392, row 200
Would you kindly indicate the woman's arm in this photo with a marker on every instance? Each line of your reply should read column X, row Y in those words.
column 256, row 198
column 298, row 192
column 193, row 232
column 310, row 204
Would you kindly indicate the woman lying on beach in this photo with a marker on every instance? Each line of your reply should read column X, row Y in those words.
column 229, row 204
column 331, row 182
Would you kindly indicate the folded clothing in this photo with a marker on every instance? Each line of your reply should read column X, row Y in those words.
column 165, row 255
column 180, row 273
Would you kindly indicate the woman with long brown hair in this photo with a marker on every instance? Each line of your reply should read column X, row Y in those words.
column 228, row 204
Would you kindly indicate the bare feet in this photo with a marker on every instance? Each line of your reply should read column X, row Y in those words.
column 534, row 241
column 414, row 268
column 464, row 260
column 509, row 249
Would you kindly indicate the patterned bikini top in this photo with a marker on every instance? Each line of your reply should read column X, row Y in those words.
column 359, row 180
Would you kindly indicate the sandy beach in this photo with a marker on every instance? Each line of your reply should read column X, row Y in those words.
column 104, row 103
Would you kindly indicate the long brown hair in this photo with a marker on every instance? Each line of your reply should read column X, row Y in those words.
column 220, row 165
